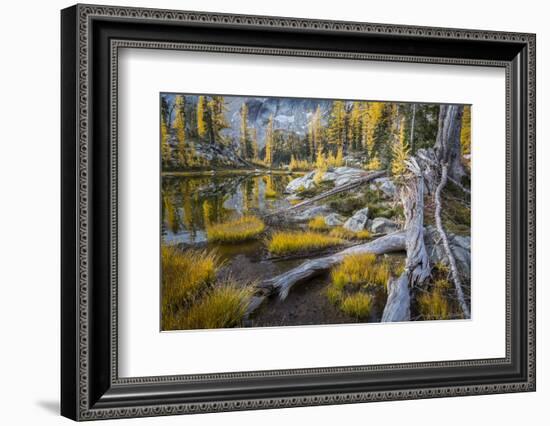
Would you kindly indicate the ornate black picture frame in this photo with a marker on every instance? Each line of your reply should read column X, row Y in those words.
column 91, row 37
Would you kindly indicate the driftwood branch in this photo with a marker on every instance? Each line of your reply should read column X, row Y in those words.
column 342, row 188
column 445, row 241
column 281, row 284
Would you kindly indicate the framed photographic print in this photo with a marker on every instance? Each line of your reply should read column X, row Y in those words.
column 263, row 212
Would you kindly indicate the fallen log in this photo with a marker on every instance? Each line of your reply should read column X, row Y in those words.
column 417, row 266
column 282, row 284
column 342, row 188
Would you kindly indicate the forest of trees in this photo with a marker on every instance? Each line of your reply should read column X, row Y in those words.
column 375, row 135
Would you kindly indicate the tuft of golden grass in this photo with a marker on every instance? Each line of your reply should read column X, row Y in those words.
column 223, row 307
column 335, row 294
column 361, row 270
column 357, row 305
column 236, row 230
column 434, row 305
column 185, row 274
column 363, row 235
column 317, row 224
column 293, row 242
column 442, row 268
column 341, row 232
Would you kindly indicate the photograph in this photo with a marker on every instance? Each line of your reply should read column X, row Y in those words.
column 282, row 211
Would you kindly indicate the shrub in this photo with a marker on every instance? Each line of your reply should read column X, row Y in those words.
column 361, row 270
column 293, row 242
column 374, row 164
column 237, row 230
column 317, row 224
column 345, row 204
column 223, row 307
column 270, row 193
column 357, row 305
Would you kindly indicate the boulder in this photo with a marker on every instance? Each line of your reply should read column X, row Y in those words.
column 303, row 182
column 338, row 175
column 334, row 219
column 358, row 221
column 310, row 213
column 346, row 175
column 386, row 185
column 381, row 225
column 460, row 246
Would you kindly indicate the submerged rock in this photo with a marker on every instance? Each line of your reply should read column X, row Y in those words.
column 358, row 221
column 381, row 225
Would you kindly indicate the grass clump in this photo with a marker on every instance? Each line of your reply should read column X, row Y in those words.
column 236, row 230
column 434, row 305
column 186, row 274
column 357, row 305
column 363, row 234
column 282, row 243
column 360, row 270
column 341, row 232
column 223, row 307
column 317, row 224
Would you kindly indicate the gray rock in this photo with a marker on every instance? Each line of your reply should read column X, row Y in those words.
column 310, row 213
column 358, row 221
column 338, row 175
column 381, row 225
column 334, row 219
column 460, row 246
column 305, row 182
column 346, row 174
column 386, row 185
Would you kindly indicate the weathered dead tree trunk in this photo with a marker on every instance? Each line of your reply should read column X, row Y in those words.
column 447, row 143
column 417, row 266
column 448, row 153
column 445, row 240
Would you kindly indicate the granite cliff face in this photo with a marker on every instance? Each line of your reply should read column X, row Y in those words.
column 289, row 114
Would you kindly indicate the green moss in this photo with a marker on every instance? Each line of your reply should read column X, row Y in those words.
column 316, row 190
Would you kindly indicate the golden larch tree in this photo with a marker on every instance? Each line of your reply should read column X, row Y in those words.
column 400, row 151
column 269, row 142
column 337, row 124
column 466, row 131
column 202, row 109
column 179, row 126
column 372, row 117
